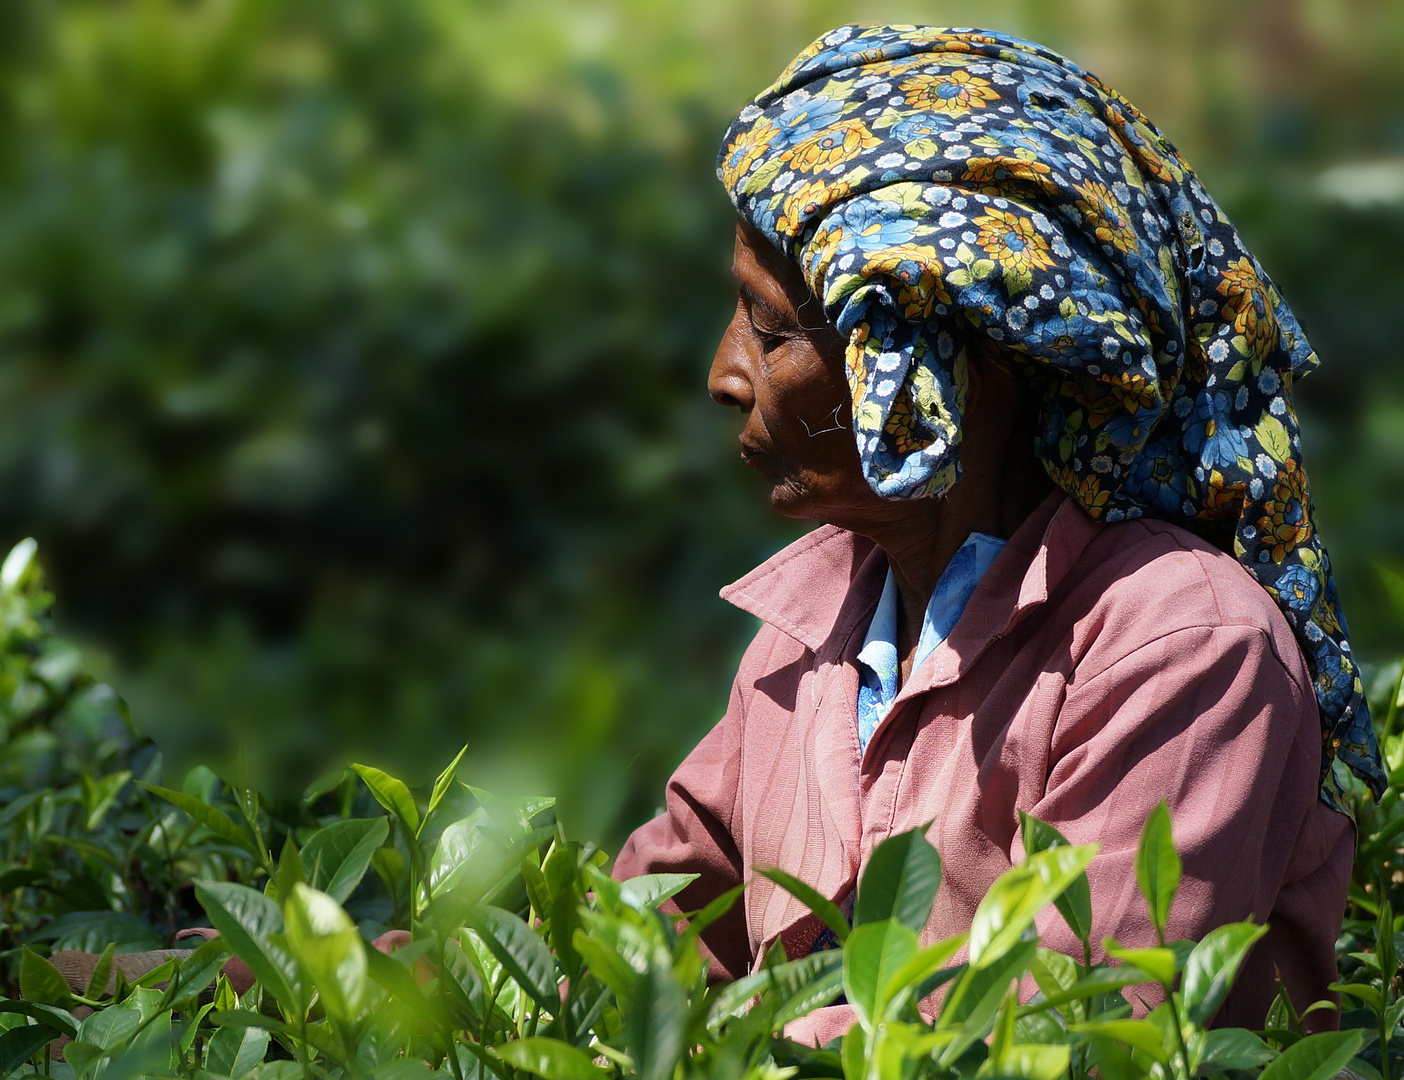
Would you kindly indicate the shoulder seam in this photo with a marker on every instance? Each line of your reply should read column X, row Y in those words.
column 1212, row 628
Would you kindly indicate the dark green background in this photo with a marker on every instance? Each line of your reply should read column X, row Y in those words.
column 352, row 352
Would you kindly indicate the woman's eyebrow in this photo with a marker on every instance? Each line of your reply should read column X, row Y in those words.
column 761, row 305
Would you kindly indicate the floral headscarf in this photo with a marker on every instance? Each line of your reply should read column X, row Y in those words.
column 947, row 188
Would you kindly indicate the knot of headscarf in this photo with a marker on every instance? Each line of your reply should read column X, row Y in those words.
column 942, row 189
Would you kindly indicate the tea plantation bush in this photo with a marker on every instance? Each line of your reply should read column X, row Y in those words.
column 520, row 957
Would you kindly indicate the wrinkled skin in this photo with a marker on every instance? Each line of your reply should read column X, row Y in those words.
column 780, row 364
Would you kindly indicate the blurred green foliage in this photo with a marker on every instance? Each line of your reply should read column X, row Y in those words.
column 352, row 351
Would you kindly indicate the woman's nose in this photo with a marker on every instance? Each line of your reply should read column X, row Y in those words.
column 730, row 379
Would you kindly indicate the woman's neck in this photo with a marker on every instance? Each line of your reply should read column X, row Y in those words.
column 922, row 536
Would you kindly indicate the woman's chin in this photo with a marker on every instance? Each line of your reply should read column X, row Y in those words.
column 793, row 499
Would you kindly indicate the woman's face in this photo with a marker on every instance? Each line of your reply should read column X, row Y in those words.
column 781, row 364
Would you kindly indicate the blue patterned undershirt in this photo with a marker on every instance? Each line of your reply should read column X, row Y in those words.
column 878, row 661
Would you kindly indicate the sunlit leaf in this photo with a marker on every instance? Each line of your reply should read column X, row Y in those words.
column 900, row 881
column 41, row 982
column 1075, row 905
column 520, row 950
column 1017, row 896
column 391, row 794
column 1212, row 966
column 1233, row 1048
column 550, row 1059
column 827, row 911
column 650, row 890
column 248, row 921
column 1141, row 1034
column 1158, row 866
column 1317, row 1057
column 326, row 943
column 1158, row 962
column 442, row 784
column 338, row 855
column 874, row 952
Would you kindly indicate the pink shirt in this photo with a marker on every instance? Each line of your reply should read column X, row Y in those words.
column 1096, row 670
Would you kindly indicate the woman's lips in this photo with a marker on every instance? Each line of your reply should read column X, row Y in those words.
column 752, row 455
column 760, row 460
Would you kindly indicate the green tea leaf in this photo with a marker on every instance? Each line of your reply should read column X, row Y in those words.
column 326, row 943
column 1141, row 1034
column 520, row 950
column 1018, row 895
column 19, row 1044
column 391, row 794
column 1233, row 1048
column 1158, row 867
column 201, row 967
column 1030, row 1061
column 562, row 874
column 93, row 931
column 1317, row 1057
column 1158, row 962
column 650, row 890
column 975, row 998
column 1367, row 995
column 110, row 1027
column 550, row 1059
column 1212, row 965
column 247, row 920
column 813, row 994
column 442, row 784
column 1075, row 905
column 899, row 882
column 790, row 978
column 234, row 1051
column 338, row 855
column 853, row 1052
column 393, row 976
column 289, row 872
column 99, row 794
column 41, row 982
column 874, row 952
column 827, row 911
column 905, row 981
column 654, row 1025
column 211, row 817
column 102, row 972
column 60, row 1020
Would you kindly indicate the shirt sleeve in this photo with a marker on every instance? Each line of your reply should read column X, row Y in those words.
column 694, row 835
column 1210, row 719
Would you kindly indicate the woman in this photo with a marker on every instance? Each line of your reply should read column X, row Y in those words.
column 994, row 334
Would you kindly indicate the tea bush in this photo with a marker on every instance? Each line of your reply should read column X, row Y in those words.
column 520, row 957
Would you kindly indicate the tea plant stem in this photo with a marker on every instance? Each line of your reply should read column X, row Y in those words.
column 454, row 1063
column 1384, row 1035
column 1181, row 1049
column 491, row 1005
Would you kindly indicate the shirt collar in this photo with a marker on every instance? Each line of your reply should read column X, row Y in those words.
column 820, row 588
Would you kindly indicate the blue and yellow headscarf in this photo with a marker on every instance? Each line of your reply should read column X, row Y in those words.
column 942, row 189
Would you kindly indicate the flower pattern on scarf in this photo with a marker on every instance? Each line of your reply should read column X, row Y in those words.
column 942, row 188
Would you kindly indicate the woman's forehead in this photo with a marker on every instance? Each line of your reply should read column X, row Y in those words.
column 762, row 271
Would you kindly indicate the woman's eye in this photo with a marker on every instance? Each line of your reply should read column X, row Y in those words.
column 769, row 340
